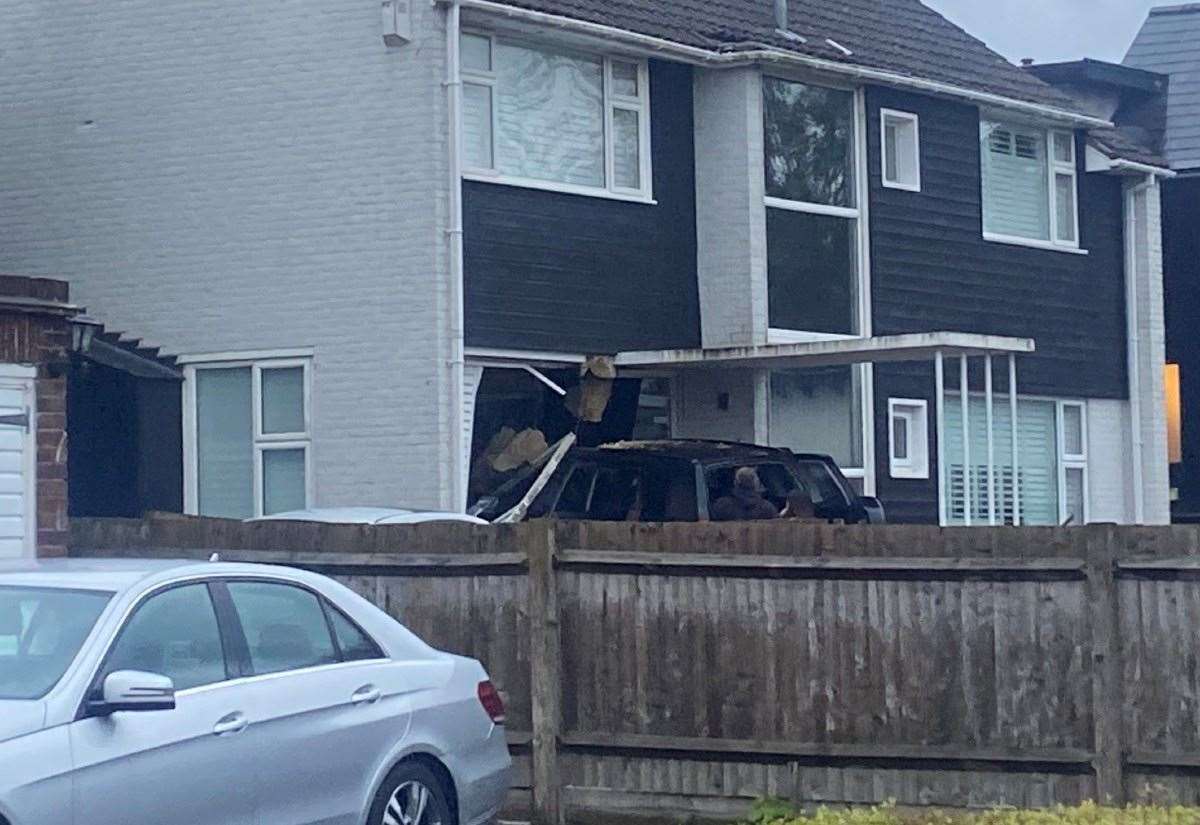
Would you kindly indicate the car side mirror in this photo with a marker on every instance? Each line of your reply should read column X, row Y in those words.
column 874, row 508
column 134, row 691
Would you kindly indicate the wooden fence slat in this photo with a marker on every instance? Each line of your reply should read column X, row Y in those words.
column 1108, row 700
column 545, row 662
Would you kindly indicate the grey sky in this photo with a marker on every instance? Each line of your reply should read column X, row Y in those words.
column 1051, row 30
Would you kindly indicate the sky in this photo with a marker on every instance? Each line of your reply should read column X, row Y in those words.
column 1052, row 30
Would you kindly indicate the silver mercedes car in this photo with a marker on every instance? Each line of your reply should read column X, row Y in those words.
column 147, row 692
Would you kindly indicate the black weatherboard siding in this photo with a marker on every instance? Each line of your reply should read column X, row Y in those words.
column 551, row 271
column 932, row 270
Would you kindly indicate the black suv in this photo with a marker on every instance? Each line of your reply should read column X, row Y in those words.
column 670, row 481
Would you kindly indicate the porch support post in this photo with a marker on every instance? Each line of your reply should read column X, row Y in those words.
column 939, row 373
column 965, row 399
column 1016, row 453
column 990, row 401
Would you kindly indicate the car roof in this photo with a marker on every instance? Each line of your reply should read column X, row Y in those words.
column 368, row 515
column 700, row 451
column 122, row 575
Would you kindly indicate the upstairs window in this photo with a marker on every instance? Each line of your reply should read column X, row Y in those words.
column 1029, row 185
column 551, row 118
column 901, row 142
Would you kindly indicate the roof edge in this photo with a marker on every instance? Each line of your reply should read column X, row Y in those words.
column 1182, row 8
column 766, row 53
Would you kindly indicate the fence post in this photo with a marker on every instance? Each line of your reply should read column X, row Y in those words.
column 545, row 660
column 1108, row 701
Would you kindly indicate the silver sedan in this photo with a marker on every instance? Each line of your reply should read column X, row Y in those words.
column 146, row 693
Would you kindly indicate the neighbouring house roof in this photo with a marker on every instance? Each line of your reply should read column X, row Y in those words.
column 1169, row 43
column 1127, row 143
column 899, row 36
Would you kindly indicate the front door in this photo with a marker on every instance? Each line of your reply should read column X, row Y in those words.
column 191, row 765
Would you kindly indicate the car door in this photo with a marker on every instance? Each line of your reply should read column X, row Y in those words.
column 192, row 764
column 328, row 707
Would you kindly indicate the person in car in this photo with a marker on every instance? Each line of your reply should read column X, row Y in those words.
column 745, row 502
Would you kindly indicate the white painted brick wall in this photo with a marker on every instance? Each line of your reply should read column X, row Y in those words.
column 1153, row 355
column 731, row 216
column 696, row 409
column 228, row 175
column 1109, row 458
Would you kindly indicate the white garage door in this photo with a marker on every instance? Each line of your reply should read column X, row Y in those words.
column 18, row 463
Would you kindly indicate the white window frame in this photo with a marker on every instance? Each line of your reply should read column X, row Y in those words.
column 915, row 411
column 262, row 442
column 1070, row 461
column 859, row 213
column 640, row 105
column 1053, row 167
column 887, row 116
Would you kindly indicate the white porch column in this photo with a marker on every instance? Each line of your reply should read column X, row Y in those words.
column 965, row 400
column 939, row 381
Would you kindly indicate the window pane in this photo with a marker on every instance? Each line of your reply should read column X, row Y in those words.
column 173, row 634
column 812, row 275
column 1064, row 148
column 1038, row 466
column 476, row 53
column 1074, row 495
column 224, row 443
column 285, row 626
column 283, row 481
column 809, row 141
column 283, row 400
column 550, row 113
column 627, row 173
column 900, row 437
column 356, row 646
column 891, row 173
column 477, row 126
column 625, row 79
column 818, row 411
column 1072, row 430
column 1064, row 186
column 41, row 633
column 1016, row 198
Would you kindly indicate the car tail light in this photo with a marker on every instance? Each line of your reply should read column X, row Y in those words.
column 493, row 705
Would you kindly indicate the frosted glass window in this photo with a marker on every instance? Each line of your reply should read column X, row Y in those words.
column 283, row 480
column 476, row 53
column 901, row 150
column 1064, row 148
column 1064, row 195
column 550, row 116
column 627, row 143
column 1073, row 430
column 225, row 443
column 1073, row 496
column 477, row 126
column 283, row 400
column 625, row 79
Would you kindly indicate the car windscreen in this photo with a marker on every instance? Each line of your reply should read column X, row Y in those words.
column 41, row 632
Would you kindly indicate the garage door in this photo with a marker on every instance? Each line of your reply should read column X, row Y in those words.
column 18, row 464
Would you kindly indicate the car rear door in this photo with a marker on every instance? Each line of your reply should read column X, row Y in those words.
column 328, row 707
column 192, row 764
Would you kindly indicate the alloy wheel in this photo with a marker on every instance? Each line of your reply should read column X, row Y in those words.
column 409, row 805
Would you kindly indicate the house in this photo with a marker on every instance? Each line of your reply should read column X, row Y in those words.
column 380, row 248
column 1169, row 43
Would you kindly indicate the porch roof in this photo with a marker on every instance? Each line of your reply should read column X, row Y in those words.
column 919, row 346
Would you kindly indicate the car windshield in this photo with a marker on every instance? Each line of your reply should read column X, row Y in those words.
column 41, row 631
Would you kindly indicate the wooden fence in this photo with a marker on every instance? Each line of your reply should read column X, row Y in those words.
column 694, row 668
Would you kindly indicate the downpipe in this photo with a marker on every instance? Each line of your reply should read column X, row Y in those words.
column 454, row 236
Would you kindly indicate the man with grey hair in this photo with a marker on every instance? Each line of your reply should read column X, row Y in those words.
column 745, row 502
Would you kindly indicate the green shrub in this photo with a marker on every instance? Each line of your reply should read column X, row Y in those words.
column 776, row 812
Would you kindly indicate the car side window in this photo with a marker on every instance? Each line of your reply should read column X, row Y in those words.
column 174, row 634
column 356, row 646
column 285, row 626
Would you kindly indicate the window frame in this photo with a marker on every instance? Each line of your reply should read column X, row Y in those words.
column 859, row 213
column 262, row 442
column 640, row 105
column 896, row 116
column 1072, row 461
column 1054, row 168
column 916, row 412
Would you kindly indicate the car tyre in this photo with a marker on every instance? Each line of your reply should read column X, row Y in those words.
column 412, row 794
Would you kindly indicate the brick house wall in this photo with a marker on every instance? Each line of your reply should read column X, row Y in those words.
column 35, row 329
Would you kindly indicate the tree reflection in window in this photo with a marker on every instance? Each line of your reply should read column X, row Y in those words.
column 809, row 143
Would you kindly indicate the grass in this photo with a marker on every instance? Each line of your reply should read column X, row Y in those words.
column 772, row 812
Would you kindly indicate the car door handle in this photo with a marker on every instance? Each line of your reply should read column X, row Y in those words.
column 367, row 695
column 231, row 724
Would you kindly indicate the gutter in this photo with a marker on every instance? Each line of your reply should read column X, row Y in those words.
column 1133, row 345
column 454, row 235
column 760, row 52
